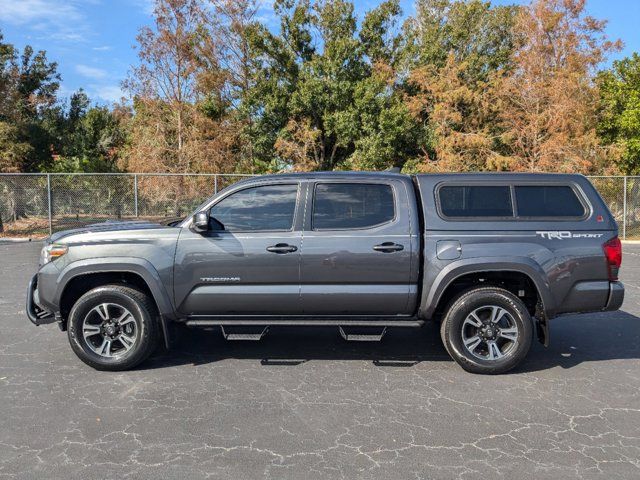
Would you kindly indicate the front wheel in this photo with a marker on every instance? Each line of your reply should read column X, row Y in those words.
column 487, row 330
column 113, row 327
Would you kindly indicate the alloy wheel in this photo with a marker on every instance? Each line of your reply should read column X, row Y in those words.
column 109, row 330
column 490, row 333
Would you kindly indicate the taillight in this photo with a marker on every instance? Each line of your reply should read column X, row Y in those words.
column 613, row 254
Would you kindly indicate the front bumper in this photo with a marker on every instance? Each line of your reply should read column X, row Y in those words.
column 37, row 314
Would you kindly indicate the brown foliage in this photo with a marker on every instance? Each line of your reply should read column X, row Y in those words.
column 184, row 86
column 460, row 114
column 168, row 132
column 522, row 99
column 301, row 145
column 547, row 102
column 536, row 113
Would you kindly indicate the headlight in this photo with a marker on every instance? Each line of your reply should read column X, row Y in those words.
column 51, row 252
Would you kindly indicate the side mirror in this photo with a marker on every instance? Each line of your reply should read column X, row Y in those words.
column 200, row 222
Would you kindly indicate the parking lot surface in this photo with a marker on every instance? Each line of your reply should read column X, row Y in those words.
column 306, row 404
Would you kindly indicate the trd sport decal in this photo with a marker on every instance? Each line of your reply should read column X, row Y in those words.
column 562, row 235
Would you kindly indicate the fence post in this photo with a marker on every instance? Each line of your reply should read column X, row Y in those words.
column 135, row 194
column 624, row 210
column 49, row 202
column 215, row 184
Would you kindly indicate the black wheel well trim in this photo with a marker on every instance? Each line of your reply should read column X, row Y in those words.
column 455, row 270
column 131, row 265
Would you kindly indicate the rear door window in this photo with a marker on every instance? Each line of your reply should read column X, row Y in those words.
column 548, row 201
column 475, row 201
column 341, row 206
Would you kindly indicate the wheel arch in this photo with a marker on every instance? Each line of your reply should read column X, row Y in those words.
column 80, row 277
column 511, row 270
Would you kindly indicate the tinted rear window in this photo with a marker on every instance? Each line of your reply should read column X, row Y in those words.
column 554, row 201
column 475, row 201
column 352, row 205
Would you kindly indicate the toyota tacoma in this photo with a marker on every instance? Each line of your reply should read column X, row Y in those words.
column 493, row 257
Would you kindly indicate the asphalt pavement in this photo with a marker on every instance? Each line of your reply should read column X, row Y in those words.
column 305, row 404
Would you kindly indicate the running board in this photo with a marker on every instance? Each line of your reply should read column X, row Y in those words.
column 302, row 322
column 230, row 334
column 360, row 335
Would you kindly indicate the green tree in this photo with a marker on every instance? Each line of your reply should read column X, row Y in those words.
column 13, row 150
column 28, row 87
column 470, row 31
column 7, row 60
column 619, row 118
column 85, row 137
column 453, row 52
column 326, row 90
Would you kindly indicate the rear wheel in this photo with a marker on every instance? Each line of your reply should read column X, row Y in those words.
column 113, row 327
column 487, row 330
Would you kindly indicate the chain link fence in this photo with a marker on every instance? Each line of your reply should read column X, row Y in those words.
column 36, row 205
column 622, row 195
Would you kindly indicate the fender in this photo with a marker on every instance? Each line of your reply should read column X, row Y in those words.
column 139, row 266
column 433, row 293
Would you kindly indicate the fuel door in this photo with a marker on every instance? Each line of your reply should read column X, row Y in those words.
column 448, row 249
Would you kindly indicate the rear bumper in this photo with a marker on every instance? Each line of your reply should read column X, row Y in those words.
column 616, row 296
column 593, row 296
column 37, row 315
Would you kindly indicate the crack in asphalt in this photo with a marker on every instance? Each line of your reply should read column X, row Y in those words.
column 211, row 409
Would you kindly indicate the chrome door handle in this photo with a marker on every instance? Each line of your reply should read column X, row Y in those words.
column 282, row 248
column 388, row 247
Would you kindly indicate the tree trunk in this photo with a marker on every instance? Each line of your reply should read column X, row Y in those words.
column 177, row 205
column 632, row 199
column 18, row 209
column 180, row 128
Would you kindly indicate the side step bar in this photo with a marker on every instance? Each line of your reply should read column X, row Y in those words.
column 254, row 329
column 243, row 334
column 302, row 322
column 360, row 335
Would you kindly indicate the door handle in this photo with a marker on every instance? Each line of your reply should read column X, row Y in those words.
column 282, row 248
column 388, row 247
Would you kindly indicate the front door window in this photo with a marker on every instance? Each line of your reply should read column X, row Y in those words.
column 258, row 209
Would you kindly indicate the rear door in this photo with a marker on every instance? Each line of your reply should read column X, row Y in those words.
column 252, row 266
column 359, row 253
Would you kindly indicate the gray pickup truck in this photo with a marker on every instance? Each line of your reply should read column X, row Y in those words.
column 492, row 257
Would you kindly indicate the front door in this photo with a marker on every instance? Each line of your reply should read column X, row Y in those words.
column 248, row 263
column 358, row 250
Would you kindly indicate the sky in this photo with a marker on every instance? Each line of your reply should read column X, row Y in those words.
column 92, row 40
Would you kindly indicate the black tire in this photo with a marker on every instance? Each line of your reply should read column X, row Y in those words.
column 476, row 301
column 442, row 325
column 144, row 325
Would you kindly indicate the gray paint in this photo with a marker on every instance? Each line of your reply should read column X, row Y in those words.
column 251, row 280
column 363, row 280
column 338, row 273
column 559, row 268
column 448, row 249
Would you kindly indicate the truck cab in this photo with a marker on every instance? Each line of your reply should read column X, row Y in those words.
column 330, row 245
